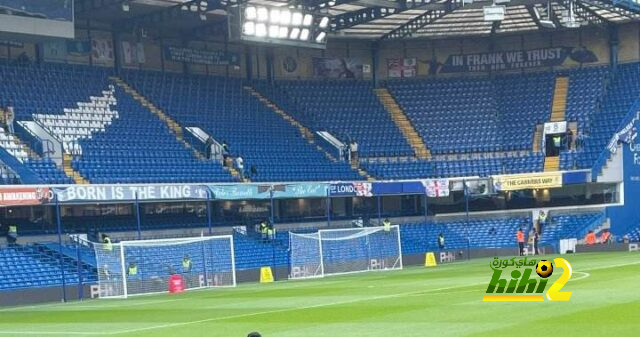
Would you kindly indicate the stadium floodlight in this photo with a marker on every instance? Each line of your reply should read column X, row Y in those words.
column 263, row 14
column 274, row 31
column 261, row 30
column 320, row 37
column 203, row 17
column 157, row 261
column 295, row 33
column 250, row 13
column 308, row 19
column 126, row 6
column 274, row 16
column 249, row 28
column 324, row 22
column 344, row 251
column 304, row 34
column 296, row 19
column 284, row 32
column 285, row 17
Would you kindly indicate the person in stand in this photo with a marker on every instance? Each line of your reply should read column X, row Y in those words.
column 186, row 264
column 353, row 149
column 106, row 240
column 605, row 237
column 271, row 231
column 133, row 269
column 520, row 239
column 208, row 146
column 240, row 166
column 542, row 220
column 253, row 171
column 441, row 241
column 536, row 238
column 225, row 152
column 9, row 117
column 264, row 230
column 387, row 225
column 590, row 239
column 12, row 235
column 569, row 140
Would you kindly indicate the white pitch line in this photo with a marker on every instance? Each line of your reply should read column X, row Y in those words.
column 171, row 325
column 584, row 276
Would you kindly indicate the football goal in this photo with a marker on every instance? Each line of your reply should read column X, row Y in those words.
column 140, row 267
column 343, row 251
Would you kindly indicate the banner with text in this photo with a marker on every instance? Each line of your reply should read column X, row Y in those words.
column 207, row 57
column 351, row 189
column 127, row 193
column 516, row 59
column 527, row 181
column 24, row 196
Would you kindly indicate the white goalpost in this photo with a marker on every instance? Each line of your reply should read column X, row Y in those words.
column 344, row 251
column 140, row 267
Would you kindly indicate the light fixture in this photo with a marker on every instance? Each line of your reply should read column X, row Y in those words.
column 203, row 16
column 203, row 6
column 250, row 13
column 308, row 18
column 304, row 34
column 296, row 18
column 295, row 33
column 275, row 16
column 285, row 17
column 194, row 7
column 125, row 6
column 274, row 31
column 324, row 22
column 320, row 37
column 261, row 30
column 263, row 14
column 249, row 28
column 284, row 32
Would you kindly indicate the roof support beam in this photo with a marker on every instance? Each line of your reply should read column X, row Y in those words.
column 85, row 6
column 535, row 17
column 347, row 20
column 410, row 27
column 169, row 13
column 589, row 14
column 609, row 6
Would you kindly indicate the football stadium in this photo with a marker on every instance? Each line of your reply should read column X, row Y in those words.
column 338, row 168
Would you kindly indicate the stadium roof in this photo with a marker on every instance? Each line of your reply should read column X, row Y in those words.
column 373, row 19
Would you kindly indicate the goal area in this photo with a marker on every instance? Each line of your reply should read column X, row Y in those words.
column 344, row 251
column 130, row 268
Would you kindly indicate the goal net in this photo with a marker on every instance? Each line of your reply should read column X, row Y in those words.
column 343, row 251
column 131, row 268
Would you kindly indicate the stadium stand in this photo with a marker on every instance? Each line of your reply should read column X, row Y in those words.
column 41, row 264
column 600, row 123
column 29, row 266
column 139, row 148
column 348, row 109
column 227, row 112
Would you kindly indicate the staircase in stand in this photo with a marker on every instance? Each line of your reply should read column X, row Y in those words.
column 551, row 164
column 173, row 126
column 559, row 104
column 402, row 122
column 537, row 138
column 304, row 131
column 70, row 172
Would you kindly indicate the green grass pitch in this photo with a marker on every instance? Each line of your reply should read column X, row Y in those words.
column 441, row 301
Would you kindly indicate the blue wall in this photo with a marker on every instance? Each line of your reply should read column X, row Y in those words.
column 628, row 216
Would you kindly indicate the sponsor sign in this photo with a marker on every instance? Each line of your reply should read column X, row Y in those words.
column 24, row 196
column 527, row 181
column 207, row 57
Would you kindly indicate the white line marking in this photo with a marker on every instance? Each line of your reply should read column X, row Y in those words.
column 584, row 276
